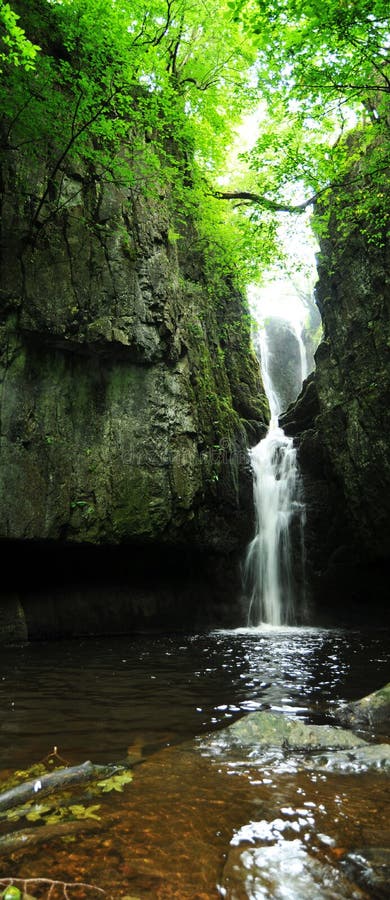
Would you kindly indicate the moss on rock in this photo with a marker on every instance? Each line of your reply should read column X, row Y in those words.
column 129, row 387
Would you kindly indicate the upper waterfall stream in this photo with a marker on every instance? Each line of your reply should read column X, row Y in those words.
column 276, row 551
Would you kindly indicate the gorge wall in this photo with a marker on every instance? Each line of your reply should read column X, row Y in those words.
column 342, row 424
column 129, row 388
column 129, row 394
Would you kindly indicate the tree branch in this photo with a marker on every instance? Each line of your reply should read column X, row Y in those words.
column 251, row 199
column 74, row 135
column 260, row 200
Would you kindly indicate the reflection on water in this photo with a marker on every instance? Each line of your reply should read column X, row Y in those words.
column 191, row 826
column 92, row 698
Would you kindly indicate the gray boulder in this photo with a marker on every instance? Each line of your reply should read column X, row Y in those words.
column 264, row 729
column 262, row 737
column 372, row 711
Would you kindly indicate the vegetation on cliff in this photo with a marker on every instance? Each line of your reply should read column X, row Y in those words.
column 167, row 81
column 173, row 79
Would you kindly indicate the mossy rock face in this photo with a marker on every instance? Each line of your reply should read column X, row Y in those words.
column 343, row 424
column 126, row 406
column 352, row 378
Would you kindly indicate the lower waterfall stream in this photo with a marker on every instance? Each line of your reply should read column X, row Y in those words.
column 279, row 508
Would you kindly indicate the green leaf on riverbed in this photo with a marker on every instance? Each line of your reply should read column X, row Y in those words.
column 21, row 775
column 31, row 811
column 12, row 893
column 56, row 816
column 85, row 812
column 68, row 813
column 52, row 815
column 37, row 812
column 115, row 782
column 14, row 814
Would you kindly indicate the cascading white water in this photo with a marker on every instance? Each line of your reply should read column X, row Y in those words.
column 278, row 503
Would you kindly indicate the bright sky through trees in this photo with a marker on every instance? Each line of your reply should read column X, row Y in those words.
column 151, row 95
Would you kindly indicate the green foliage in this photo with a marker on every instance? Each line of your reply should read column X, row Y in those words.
column 324, row 78
column 21, row 775
column 15, row 48
column 144, row 95
column 149, row 96
column 115, row 782
column 26, row 888
column 52, row 815
column 63, row 805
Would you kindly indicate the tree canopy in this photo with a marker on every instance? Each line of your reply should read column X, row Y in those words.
column 323, row 72
column 171, row 80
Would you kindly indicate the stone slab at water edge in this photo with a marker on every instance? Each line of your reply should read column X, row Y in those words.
column 264, row 729
column 263, row 738
column 372, row 711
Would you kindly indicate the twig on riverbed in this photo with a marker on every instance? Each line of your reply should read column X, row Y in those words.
column 53, row 760
column 28, row 884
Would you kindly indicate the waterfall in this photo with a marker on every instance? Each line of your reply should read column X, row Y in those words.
column 269, row 570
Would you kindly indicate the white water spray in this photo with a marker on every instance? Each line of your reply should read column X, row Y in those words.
column 269, row 570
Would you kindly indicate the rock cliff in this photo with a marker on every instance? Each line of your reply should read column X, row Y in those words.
column 129, row 394
column 342, row 423
column 284, row 359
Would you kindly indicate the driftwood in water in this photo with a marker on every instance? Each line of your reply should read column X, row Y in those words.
column 60, row 779
column 29, row 837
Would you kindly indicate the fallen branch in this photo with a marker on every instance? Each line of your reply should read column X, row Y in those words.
column 45, row 784
column 30, row 837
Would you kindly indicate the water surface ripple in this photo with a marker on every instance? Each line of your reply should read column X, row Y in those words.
column 94, row 698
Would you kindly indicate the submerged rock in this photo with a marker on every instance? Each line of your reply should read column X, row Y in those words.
column 372, row 711
column 354, row 761
column 282, row 871
column 264, row 729
column 371, row 868
column 263, row 738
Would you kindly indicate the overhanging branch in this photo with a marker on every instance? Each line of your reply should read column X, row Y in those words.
column 259, row 200
column 249, row 198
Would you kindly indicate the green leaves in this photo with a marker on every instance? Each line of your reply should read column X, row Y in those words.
column 66, row 804
column 115, row 782
column 324, row 77
column 149, row 96
column 53, row 812
column 85, row 812
column 52, row 815
column 15, row 48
